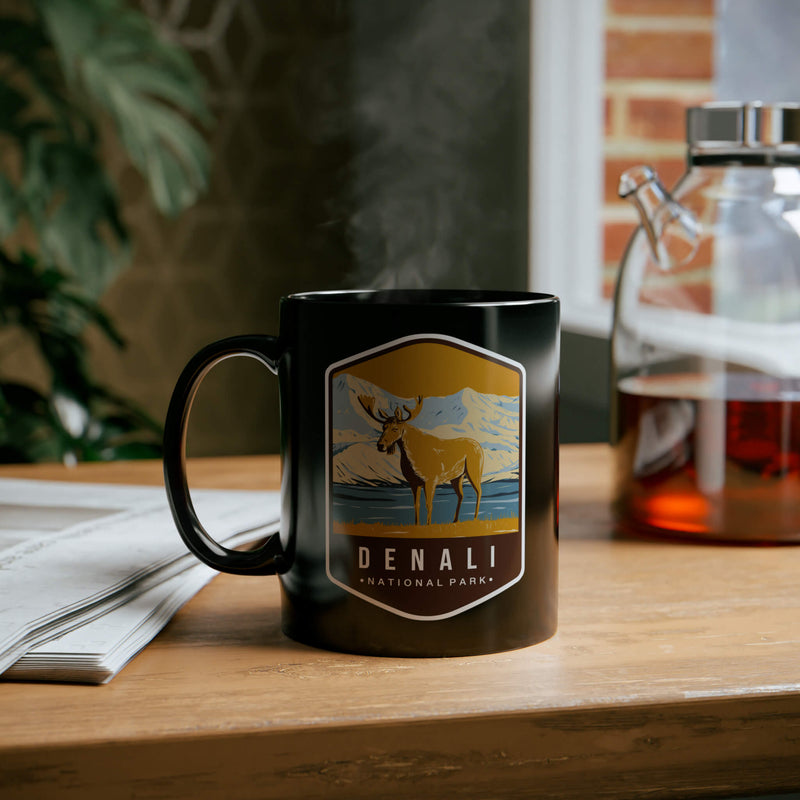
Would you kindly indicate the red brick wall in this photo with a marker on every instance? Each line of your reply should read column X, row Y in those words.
column 659, row 61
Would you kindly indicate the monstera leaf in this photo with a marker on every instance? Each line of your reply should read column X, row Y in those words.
column 72, row 74
column 79, row 62
column 110, row 53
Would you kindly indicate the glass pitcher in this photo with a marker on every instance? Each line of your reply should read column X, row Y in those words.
column 706, row 337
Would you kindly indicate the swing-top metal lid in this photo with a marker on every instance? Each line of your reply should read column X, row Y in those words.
column 728, row 126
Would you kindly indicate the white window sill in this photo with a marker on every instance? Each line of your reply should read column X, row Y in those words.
column 588, row 320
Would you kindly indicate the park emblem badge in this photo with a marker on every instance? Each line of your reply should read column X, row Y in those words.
column 425, row 500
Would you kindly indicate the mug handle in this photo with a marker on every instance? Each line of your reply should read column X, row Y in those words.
column 265, row 560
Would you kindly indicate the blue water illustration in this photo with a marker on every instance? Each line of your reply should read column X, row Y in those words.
column 394, row 505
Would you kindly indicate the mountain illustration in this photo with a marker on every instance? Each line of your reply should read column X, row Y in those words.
column 491, row 420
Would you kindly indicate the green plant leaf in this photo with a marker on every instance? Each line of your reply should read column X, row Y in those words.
column 74, row 211
column 37, row 78
column 21, row 39
column 43, row 303
column 147, row 85
column 12, row 104
column 9, row 207
column 61, row 69
column 28, row 432
column 79, row 418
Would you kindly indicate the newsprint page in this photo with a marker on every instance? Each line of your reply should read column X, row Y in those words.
column 89, row 573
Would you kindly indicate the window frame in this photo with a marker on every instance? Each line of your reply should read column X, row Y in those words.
column 567, row 68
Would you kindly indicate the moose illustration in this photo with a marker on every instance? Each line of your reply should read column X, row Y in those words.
column 425, row 459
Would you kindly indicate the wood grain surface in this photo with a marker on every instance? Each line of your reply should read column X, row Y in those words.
column 675, row 673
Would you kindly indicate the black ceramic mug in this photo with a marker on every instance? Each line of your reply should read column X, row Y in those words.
column 419, row 469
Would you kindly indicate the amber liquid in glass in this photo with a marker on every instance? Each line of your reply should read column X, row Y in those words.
column 709, row 457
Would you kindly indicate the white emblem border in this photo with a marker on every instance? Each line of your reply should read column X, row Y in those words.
column 394, row 344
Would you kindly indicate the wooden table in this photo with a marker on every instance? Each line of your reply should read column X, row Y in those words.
column 675, row 673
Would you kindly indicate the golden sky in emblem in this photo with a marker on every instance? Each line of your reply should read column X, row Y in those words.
column 435, row 369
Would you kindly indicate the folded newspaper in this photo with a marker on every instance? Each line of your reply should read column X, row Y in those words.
column 89, row 573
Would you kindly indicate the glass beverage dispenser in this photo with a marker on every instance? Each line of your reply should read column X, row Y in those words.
column 706, row 339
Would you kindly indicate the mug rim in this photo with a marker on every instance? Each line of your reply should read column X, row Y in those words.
column 428, row 297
